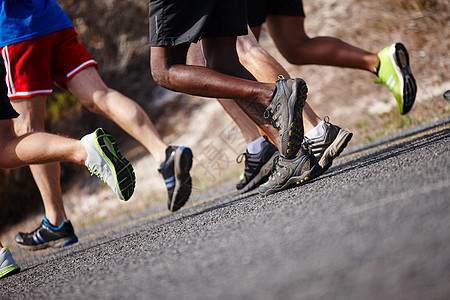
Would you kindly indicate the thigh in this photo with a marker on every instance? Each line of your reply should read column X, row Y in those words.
column 195, row 55
column 32, row 113
column 161, row 58
column 85, row 84
column 283, row 28
column 221, row 53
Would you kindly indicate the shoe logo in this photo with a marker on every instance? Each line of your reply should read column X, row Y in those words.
column 391, row 82
column 170, row 182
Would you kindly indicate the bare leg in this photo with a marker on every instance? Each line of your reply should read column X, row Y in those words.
column 169, row 69
column 289, row 35
column 37, row 147
column 246, row 125
column 46, row 176
column 266, row 69
column 92, row 92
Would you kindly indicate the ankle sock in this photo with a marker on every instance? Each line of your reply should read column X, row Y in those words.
column 47, row 223
column 316, row 131
column 255, row 146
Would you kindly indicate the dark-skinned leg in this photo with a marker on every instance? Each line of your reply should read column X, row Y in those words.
column 246, row 125
column 266, row 69
column 169, row 70
column 289, row 35
column 221, row 55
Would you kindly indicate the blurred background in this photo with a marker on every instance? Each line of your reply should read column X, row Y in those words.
column 116, row 35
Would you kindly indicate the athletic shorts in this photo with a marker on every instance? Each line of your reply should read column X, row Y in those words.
column 257, row 10
column 6, row 110
column 174, row 22
column 32, row 66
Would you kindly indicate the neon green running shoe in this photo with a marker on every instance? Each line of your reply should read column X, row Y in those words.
column 105, row 161
column 393, row 70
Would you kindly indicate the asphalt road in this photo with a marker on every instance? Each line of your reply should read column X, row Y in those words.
column 375, row 226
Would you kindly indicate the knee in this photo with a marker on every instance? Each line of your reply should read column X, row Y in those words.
column 160, row 75
column 21, row 128
column 293, row 52
column 95, row 102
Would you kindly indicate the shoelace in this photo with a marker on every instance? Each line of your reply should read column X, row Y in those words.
column 240, row 157
column 274, row 168
column 94, row 171
column 268, row 114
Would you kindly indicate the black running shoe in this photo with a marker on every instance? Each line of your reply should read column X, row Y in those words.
column 257, row 166
column 175, row 171
column 328, row 146
column 47, row 235
column 285, row 111
column 289, row 173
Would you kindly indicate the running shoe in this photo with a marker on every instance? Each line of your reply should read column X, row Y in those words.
column 47, row 235
column 107, row 163
column 7, row 264
column 285, row 111
column 393, row 70
column 293, row 172
column 175, row 171
column 257, row 166
column 328, row 146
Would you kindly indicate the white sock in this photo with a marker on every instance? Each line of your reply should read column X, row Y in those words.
column 316, row 131
column 255, row 146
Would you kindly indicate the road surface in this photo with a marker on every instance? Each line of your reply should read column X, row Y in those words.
column 375, row 226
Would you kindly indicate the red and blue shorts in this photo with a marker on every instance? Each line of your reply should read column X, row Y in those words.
column 32, row 66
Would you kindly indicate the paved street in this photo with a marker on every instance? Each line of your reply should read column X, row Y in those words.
column 375, row 226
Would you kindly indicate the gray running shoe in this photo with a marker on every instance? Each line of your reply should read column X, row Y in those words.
column 285, row 110
column 257, row 166
column 291, row 172
column 329, row 145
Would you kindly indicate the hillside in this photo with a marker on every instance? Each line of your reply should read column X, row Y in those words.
column 118, row 41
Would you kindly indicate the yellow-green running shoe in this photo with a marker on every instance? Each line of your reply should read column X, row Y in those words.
column 393, row 70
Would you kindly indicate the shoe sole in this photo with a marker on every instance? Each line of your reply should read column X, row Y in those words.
column 262, row 175
column 335, row 149
column 125, row 178
column 60, row 243
column 309, row 175
column 9, row 271
column 183, row 181
column 409, row 88
column 292, row 138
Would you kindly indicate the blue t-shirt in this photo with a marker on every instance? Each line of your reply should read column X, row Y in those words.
column 22, row 20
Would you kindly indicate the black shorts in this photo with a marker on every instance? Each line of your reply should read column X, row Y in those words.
column 6, row 110
column 174, row 22
column 257, row 10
